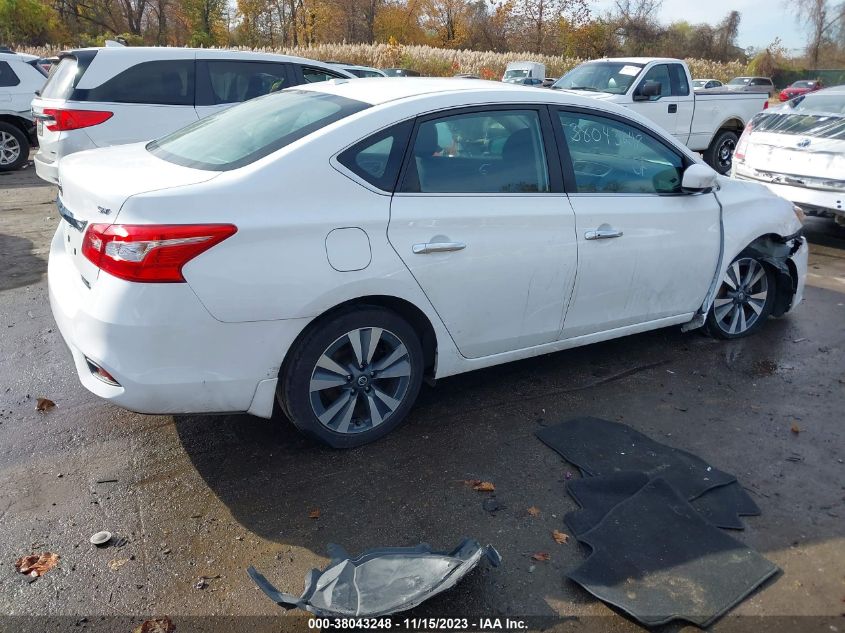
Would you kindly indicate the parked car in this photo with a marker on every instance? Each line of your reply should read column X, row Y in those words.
column 518, row 72
column 751, row 84
column 400, row 72
column 113, row 95
column 659, row 88
column 20, row 77
column 359, row 71
column 332, row 245
column 798, row 151
column 797, row 88
column 705, row 84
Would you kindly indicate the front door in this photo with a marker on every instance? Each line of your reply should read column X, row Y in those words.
column 646, row 249
column 481, row 222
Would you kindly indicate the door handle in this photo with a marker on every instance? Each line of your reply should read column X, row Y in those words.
column 673, row 108
column 438, row 247
column 602, row 234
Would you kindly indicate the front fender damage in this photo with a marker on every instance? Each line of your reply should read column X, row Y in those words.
column 775, row 251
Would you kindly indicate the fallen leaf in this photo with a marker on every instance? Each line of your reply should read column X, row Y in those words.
column 117, row 563
column 314, row 514
column 37, row 565
column 533, row 511
column 559, row 537
column 541, row 556
column 795, row 429
column 156, row 625
column 484, row 486
column 44, row 404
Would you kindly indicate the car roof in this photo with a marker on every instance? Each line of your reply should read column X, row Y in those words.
column 163, row 52
column 376, row 91
column 832, row 90
column 16, row 57
column 637, row 60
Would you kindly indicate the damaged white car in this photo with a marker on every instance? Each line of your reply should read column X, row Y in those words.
column 332, row 245
column 798, row 151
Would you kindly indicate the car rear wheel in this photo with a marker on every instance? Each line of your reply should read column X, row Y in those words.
column 353, row 378
column 14, row 147
column 744, row 299
column 720, row 153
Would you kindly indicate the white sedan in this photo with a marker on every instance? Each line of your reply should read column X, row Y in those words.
column 798, row 151
column 330, row 246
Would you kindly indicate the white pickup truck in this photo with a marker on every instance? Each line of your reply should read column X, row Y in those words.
column 709, row 121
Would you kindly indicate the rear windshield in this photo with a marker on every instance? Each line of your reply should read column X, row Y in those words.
column 61, row 81
column 249, row 131
column 819, row 126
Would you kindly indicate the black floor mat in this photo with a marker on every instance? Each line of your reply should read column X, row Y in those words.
column 600, row 447
column 657, row 559
column 599, row 495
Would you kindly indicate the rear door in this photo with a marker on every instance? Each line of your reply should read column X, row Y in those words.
column 646, row 249
column 222, row 83
column 481, row 221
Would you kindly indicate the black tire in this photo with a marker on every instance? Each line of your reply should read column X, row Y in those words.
column 720, row 153
column 11, row 134
column 298, row 400
column 730, row 301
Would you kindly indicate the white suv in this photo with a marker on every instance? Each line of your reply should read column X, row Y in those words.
column 20, row 78
column 97, row 97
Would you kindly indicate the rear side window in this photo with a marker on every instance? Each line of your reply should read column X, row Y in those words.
column 236, row 81
column 377, row 159
column 253, row 129
column 7, row 76
column 167, row 82
column 313, row 75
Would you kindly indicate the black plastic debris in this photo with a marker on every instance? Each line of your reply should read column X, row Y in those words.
column 601, row 447
column 380, row 581
column 657, row 559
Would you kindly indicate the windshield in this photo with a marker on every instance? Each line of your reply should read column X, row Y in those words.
column 516, row 73
column 739, row 81
column 613, row 77
column 819, row 102
column 249, row 131
column 698, row 83
column 803, row 84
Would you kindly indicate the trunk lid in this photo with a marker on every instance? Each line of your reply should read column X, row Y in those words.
column 93, row 185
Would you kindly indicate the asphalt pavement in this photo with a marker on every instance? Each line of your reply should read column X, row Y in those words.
column 199, row 498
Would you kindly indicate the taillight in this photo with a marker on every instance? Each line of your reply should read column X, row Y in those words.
column 64, row 120
column 766, row 104
column 742, row 144
column 153, row 253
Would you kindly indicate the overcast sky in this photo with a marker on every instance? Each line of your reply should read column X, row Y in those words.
column 761, row 22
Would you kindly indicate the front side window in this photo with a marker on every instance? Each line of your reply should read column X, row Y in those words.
column 236, row 81
column 313, row 75
column 499, row 151
column 168, row 82
column 8, row 77
column 251, row 130
column 609, row 156
column 660, row 75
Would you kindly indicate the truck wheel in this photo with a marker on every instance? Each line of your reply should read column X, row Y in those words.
column 721, row 151
column 14, row 147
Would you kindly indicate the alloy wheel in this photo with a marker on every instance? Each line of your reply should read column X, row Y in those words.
column 360, row 380
column 10, row 149
column 742, row 296
column 725, row 154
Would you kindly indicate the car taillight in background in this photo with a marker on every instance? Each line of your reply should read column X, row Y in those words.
column 742, row 144
column 152, row 253
column 62, row 120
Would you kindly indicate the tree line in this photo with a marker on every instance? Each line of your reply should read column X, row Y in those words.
column 553, row 27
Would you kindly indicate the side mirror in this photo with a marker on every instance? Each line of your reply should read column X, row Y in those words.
column 647, row 90
column 699, row 178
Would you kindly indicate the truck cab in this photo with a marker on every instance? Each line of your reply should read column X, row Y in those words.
column 661, row 89
column 518, row 72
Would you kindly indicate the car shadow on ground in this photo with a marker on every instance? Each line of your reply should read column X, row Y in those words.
column 19, row 266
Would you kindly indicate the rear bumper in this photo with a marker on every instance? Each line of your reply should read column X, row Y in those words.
column 51, row 151
column 168, row 354
column 45, row 168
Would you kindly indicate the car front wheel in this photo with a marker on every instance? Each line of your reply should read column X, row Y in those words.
column 353, row 378
column 744, row 299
